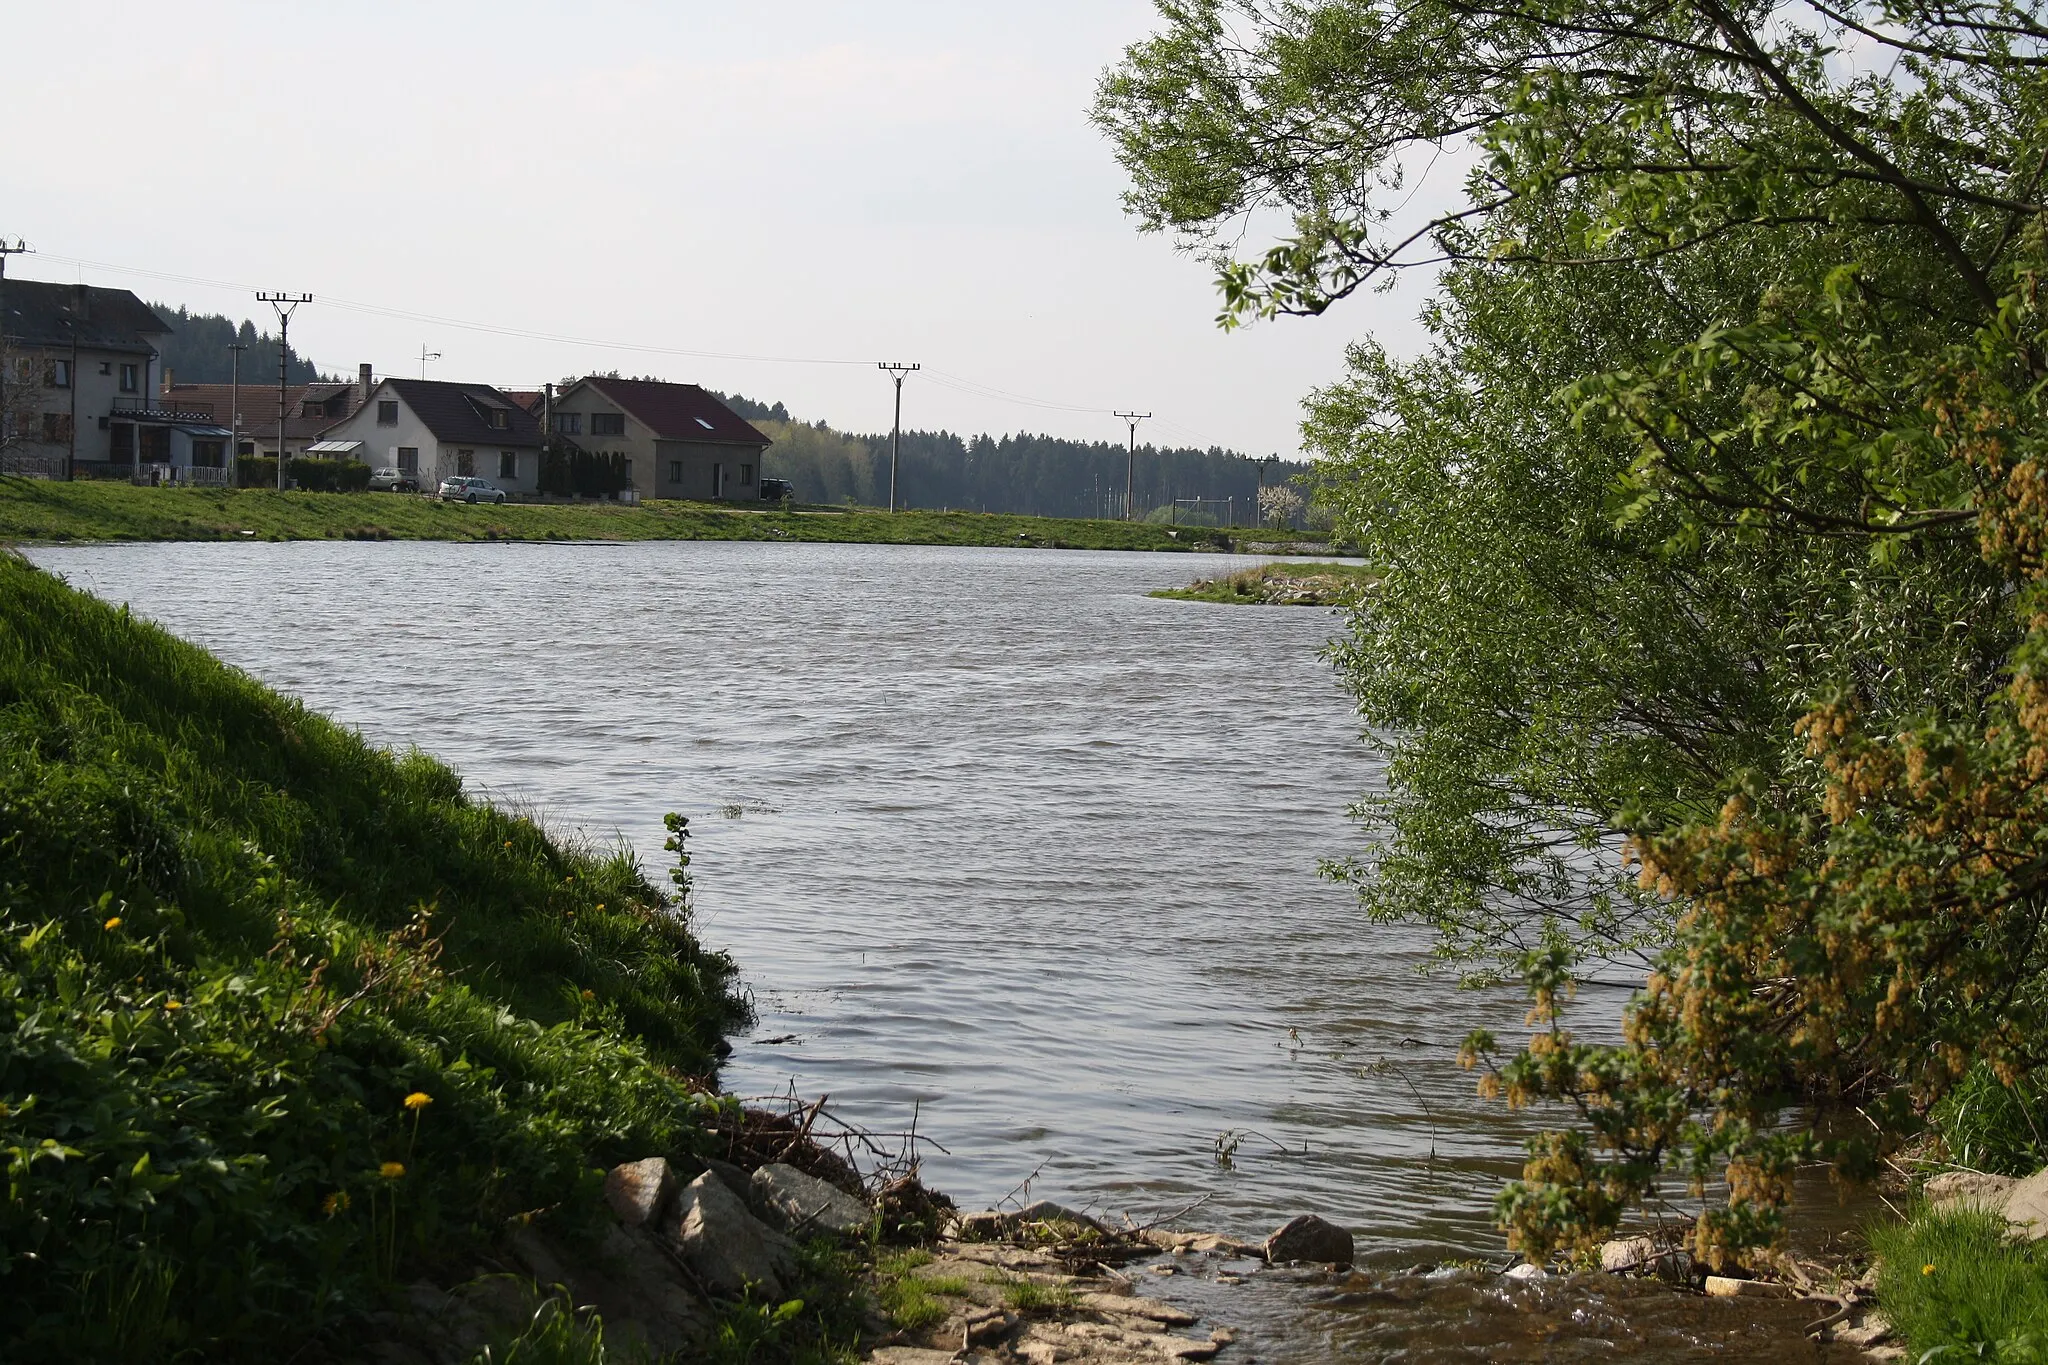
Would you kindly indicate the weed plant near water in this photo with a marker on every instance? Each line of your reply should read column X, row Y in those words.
column 285, row 1019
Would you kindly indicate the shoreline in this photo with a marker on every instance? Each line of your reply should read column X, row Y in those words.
column 39, row 512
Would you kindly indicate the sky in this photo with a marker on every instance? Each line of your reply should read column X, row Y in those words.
column 711, row 193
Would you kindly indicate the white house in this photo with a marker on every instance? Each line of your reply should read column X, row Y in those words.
column 436, row 430
column 677, row 440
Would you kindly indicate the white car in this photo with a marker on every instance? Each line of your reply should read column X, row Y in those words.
column 461, row 488
column 393, row 480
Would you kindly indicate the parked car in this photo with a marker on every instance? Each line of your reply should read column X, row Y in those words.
column 393, row 481
column 464, row 489
column 778, row 490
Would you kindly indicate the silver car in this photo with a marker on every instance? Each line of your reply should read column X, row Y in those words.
column 394, row 481
column 462, row 488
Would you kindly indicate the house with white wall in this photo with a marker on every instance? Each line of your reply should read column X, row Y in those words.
column 81, row 366
column 678, row 441
column 434, row 429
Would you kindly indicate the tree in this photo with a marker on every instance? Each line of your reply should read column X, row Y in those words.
column 1686, row 523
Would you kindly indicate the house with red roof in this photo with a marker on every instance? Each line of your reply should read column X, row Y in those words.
column 677, row 441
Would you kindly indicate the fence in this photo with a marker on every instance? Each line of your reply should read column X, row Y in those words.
column 32, row 466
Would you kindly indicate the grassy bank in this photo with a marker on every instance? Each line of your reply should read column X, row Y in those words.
column 1957, row 1286
column 1280, row 585
column 286, row 1020
column 36, row 510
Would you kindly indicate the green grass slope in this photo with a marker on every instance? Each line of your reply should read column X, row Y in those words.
column 40, row 510
column 234, row 939
column 1282, row 585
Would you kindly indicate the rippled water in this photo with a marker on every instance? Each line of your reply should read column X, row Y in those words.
column 996, row 839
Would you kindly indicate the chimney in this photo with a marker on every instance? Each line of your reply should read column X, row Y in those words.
column 363, row 380
column 167, row 381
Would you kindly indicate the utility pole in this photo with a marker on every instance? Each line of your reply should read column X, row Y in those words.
column 898, row 372
column 286, row 305
column 235, row 349
column 71, row 453
column 7, row 248
column 1131, row 461
column 1259, row 504
column 425, row 356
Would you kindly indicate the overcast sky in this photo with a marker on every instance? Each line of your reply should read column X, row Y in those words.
column 909, row 181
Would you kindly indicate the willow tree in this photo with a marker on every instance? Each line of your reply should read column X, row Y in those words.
column 1705, row 522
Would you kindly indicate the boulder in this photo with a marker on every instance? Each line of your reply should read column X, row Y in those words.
column 735, row 1179
column 631, row 1281
column 983, row 1225
column 803, row 1203
column 639, row 1191
column 724, row 1245
column 1527, row 1270
column 1728, row 1287
column 2026, row 1207
column 1045, row 1211
column 1310, row 1238
column 1969, row 1189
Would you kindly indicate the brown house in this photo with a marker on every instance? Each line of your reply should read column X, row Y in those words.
column 677, row 440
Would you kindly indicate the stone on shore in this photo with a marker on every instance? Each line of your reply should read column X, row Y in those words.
column 2026, row 1207
column 1728, row 1287
column 639, row 1191
column 801, row 1203
column 1969, row 1190
column 1310, row 1238
column 1045, row 1211
column 724, row 1245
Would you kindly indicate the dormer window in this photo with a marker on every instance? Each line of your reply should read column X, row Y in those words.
column 501, row 419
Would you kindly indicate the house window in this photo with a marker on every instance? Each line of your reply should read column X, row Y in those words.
column 387, row 412
column 245, row 449
column 607, row 424
column 408, row 459
column 57, row 427
column 121, row 443
column 508, row 464
column 56, row 374
column 675, row 471
column 626, row 468
column 209, row 454
column 131, row 379
column 569, row 423
column 106, row 367
column 501, row 420
column 746, row 475
column 312, row 408
column 465, row 463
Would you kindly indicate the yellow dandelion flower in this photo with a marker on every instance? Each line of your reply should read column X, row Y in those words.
column 113, row 923
column 173, row 1005
column 391, row 1170
column 600, row 905
column 590, row 995
column 334, row 1203
column 508, row 843
column 418, row 1099
column 1927, row 1269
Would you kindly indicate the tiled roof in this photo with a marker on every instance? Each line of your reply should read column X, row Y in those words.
column 38, row 313
column 460, row 412
column 679, row 412
column 259, row 405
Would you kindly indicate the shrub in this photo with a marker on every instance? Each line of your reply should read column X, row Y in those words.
column 1990, row 1126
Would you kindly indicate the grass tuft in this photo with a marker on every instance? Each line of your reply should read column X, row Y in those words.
column 1956, row 1285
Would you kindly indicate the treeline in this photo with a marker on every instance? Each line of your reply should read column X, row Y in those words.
column 1029, row 475
column 196, row 351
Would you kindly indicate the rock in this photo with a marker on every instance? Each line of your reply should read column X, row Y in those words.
column 1526, row 1271
column 2026, row 1207
column 911, row 1355
column 639, row 1191
column 1874, row 1327
column 1132, row 1306
column 735, row 1179
column 802, row 1203
column 724, row 1245
column 1045, row 1211
column 1627, row 1253
column 1969, row 1189
column 1189, row 1348
column 986, row 1225
column 1727, row 1287
column 632, row 1282
column 1310, row 1238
